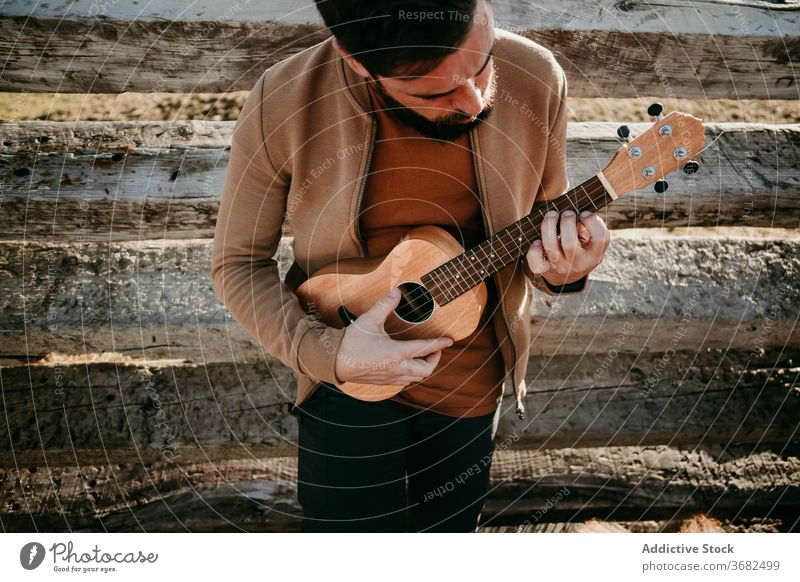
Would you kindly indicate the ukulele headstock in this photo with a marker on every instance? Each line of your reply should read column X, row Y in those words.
column 670, row 143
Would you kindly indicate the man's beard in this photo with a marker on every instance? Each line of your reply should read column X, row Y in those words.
column 448, row 128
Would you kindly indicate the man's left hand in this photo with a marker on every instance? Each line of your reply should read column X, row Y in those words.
column 574, row 253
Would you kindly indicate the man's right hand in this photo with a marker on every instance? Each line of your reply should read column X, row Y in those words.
column 367, row 355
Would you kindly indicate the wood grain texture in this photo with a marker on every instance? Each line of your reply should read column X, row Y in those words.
column 529, row 489
column 154, row 300
column 710, row 49
column 703, row 397
column 95, row 181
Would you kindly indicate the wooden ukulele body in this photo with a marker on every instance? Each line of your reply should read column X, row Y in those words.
column 357, row 284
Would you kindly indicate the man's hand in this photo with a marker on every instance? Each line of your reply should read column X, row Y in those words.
column 368, row 355
column 570, row 256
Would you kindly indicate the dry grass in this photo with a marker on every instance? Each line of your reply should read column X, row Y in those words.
column 226, row 107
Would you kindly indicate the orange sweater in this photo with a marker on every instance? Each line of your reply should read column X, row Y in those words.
column 415, row 181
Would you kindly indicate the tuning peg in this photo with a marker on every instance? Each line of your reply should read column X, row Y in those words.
column 691, row 167
column 661, row 186
column 624, row 132
column 655, row 110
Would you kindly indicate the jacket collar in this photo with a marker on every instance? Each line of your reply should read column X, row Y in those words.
column 355, row 86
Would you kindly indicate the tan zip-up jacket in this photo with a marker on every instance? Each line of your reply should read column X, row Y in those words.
column 300, row 151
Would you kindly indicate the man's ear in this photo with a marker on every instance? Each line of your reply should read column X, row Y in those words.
column 350, row 60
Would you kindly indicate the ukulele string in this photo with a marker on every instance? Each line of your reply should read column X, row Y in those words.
column 582, row 198
column 586, row 196
column 712, row 143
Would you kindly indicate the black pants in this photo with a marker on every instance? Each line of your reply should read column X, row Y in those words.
column 354, row 458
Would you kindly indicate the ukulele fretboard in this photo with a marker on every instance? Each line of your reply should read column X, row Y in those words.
column 462, row 273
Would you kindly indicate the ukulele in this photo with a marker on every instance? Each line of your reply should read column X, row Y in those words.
column 442, row 285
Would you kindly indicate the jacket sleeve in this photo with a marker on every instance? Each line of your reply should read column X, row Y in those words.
column 555, row 180
column 244, row 271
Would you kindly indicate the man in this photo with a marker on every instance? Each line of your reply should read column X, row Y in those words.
column 414, row 112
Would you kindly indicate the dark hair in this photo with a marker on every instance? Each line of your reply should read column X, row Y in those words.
column 390, row 37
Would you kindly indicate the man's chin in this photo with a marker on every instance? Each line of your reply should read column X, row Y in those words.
column 445, row 131
column 442, row 131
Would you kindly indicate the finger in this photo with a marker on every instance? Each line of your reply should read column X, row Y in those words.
column 599, row 235
column 552, row 248
column 421, row 347
column 569, row 235
column 583, row 234
column 377, row 314
column 536, row 259
column 417, row 367
column 405, row 380
column 424, row 365
column 432, row 360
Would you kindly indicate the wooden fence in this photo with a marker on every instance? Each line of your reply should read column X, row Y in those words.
column 132, row 400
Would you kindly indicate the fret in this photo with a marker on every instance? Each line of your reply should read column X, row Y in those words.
column 436, row 278
column 452, row 280
column 505, row 248
column 455, row 278
column 447, row 295
column 471, row 265
column 594, row 206
column 446, row 288
column 520, row 237
column 492, row 254
column 572, row 203
column 464, row 272
column 465, row 264
column 533, row 226
column 480, row 262
column 589, row 204
column 586, row 197
column 469, row 269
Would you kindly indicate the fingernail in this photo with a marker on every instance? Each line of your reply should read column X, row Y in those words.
column 393, row 292
column 537, row 243
column 585, row 214
column 568, row 213
column 551, row 214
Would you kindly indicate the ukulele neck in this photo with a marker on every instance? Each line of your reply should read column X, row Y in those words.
column 462, row 273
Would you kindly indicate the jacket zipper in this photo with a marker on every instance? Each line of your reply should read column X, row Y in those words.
column 363, row 188
column 520, row 407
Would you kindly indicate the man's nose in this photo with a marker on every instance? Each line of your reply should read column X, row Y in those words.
column 469, row 100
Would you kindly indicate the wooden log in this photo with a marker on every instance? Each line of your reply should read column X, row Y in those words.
column 250, row 490
column 680, row 398
column 695, row 398
column 719, row 48
column 95, row 181
column 698, row 523
column 651, row 484
column 154, row 300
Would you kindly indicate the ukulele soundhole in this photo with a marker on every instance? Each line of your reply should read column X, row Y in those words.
column 416, row 303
